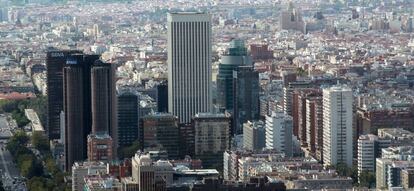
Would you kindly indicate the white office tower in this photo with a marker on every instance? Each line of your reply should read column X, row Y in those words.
column 337, row 126
column 279, row 132
column 189, row 64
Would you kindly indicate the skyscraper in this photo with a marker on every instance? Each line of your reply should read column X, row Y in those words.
column 103, row 98
column 236, row 56
column 189, row 64
column 104, row 107
column 55, row 61
column 127, row 118
column 246, row 97
column 88, row 101
column 76, row 106
column 337, row 126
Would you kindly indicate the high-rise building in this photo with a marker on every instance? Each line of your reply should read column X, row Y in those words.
column 88, row 103
column 369, row 148
column 76, row 106
column 189, row 64
column 160, row 131
column 127, row 118
column 254, row 135
column 246, row 97
column 103, row 101
column 100, row 147
column 314, row 122
column 337, row 126
column 103, row 98
column 292, row 103
column 211, row 137
column 55, row 61
column 235, row 56
column 279, row 132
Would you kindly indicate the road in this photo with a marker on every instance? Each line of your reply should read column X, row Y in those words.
column 5, row 132
column 7, row 167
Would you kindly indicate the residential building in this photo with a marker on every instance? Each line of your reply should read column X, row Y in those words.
column 82, row 169
column 254, row 135
column 369, row 148
column 100, row 147
column 337, row 126
column 279, row 133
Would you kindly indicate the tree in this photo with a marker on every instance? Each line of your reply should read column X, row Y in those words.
column 367, row 179
column 40, row 142
column 1, row 186
column 37, row 184
column 343, row 170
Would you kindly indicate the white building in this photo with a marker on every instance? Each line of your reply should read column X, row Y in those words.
column 337, row 126
column 82, row 169
column 279, row 132
column 369, row 148
column 254, row 135
column 189, row 64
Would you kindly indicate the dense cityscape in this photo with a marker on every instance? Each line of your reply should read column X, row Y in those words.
column 206, row 95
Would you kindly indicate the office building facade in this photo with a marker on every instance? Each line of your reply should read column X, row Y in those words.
column 236, row 56
column 189, row 64
column 55, row 62
column 160, row 131
column 211, row 137
column 127, row 118
column 246, row 97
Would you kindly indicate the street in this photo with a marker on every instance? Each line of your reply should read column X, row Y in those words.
column 8, row 170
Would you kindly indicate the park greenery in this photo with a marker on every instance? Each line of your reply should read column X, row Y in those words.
column 17, row 107
column 366, row 179
column 41, row 171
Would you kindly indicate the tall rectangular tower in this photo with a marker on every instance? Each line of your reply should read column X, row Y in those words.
column 55, row 61
column 246, row 90
column 337, row 126
column 189, row 64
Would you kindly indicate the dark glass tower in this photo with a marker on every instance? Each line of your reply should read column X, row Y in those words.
column 127, row 118
column 77, row 106
column 103, row 97
column 55, row 61
column 236, row 56
column 246, row 97
column 162, row 97
column 104, row 107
